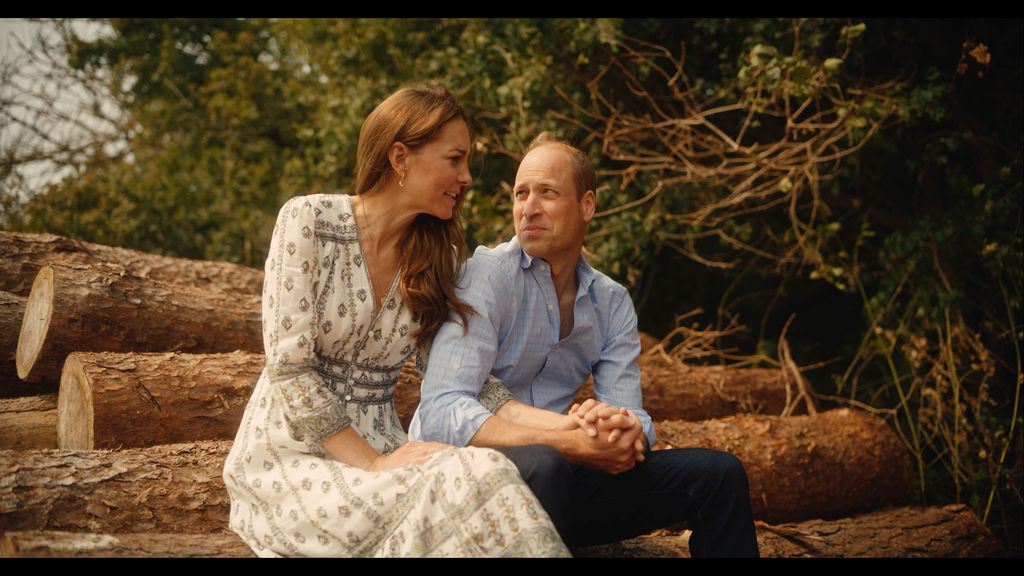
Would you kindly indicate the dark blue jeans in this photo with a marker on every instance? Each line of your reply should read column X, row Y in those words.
column 707, row 489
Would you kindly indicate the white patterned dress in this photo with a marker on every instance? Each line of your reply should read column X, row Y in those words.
column 331, row 363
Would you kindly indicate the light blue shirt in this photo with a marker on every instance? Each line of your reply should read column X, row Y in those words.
column 514, row 336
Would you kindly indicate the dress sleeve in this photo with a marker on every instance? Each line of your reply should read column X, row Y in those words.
column 312, row 411
column 494, row 394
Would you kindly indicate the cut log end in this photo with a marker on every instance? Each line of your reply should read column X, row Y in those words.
column 75, row 409
column 36, row 323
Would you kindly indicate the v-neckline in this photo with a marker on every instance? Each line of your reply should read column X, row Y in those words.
column 375, row 311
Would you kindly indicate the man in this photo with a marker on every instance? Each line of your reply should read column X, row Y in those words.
column 544, row 321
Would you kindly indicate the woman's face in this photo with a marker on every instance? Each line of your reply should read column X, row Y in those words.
column 438, row 171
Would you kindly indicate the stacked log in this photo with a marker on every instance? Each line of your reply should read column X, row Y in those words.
column 24, row 254
column 102, row 308
column 799, row 467
column 112, row 399
column 174, row 488
column 951, row 531
column 59, row 544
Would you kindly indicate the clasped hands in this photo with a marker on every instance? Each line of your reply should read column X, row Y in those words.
column 614, row 435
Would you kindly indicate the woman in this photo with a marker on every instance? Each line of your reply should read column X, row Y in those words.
column 320, row 465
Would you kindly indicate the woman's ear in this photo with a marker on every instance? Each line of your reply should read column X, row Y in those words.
column 398, row 156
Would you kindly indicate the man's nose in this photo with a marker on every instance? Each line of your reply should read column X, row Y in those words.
column 530, row 205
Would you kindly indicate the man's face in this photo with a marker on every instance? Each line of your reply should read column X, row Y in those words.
column 550, row 220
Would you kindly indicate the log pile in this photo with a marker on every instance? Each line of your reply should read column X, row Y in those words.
column 951, row 531
column 155, row 360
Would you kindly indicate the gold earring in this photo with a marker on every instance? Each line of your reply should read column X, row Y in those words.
column 401, row 181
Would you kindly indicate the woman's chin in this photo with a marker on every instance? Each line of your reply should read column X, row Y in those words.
column 443, row 214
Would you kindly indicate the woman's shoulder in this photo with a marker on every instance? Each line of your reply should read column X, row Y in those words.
column 316, row 204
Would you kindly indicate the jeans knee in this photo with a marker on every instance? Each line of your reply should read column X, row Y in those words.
column 730, row 470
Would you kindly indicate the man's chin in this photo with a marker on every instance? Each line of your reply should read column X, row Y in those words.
column 535, row 247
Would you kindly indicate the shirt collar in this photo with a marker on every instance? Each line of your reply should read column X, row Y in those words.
column 584, row 273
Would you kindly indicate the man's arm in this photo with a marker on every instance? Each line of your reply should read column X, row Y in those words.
column 616, row 374
column 459, row 363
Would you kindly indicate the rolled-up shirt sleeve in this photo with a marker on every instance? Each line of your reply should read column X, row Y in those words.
column 616, row 374
column 290, row 317
column 450, row 410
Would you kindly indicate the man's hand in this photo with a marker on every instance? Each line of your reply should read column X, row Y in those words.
column 597, row 452
column 615, row 436
column 614, row 420
column 586, row 415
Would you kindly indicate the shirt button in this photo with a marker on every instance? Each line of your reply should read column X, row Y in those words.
column 549, row 308
column 348, row 397
column 542, row 268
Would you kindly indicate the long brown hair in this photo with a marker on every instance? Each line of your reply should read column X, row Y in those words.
column 433, row 250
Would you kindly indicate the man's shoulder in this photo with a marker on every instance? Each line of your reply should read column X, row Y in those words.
column 604, row 285
column 504, row 257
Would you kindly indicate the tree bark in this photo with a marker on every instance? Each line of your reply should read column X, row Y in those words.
column 829, row 465
column 174, row 488
column 676, row 391
column 23, row 254
column 29, row 422
column 951, row 531
column 129, row 400
column 57, row 544
column 937, row 532
column 103, row 309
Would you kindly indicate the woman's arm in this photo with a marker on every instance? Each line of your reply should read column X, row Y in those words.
column 349, row 447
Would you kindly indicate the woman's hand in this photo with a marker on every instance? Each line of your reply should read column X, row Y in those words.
column 408, row 454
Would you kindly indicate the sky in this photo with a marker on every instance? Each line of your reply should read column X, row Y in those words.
column 14, row 31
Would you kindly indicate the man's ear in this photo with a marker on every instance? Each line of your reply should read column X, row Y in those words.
column 398, row 156
column 589, row 201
